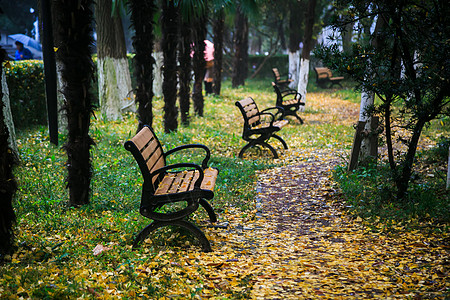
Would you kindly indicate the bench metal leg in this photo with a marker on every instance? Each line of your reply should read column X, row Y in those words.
column 298, row 117
column 249, row 145
column 281, row 140
column 261, row 143
column 206, row 246
column 209, row 210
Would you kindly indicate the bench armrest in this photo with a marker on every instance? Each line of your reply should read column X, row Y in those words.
column 266, row 112
column 279, row 108
column 191, row 146
column 164, row 169
column 291, row 92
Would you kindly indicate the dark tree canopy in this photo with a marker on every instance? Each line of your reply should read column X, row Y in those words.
column 405, row 63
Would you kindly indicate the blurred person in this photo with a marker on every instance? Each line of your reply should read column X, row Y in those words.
column 22, row 52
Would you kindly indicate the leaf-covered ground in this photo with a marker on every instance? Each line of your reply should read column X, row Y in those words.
column 295, row 239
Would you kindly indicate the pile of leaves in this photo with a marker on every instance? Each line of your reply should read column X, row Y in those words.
column 283, row 230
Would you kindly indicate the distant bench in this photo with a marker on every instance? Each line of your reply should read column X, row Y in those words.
column 324, row 76
column 282, row 83
column 164, row 184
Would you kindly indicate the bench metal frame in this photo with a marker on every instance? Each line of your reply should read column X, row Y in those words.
column 289, row 100
column 149, row 155
column 255, row 131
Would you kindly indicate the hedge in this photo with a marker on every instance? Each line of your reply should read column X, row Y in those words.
column 27, row 87
column 26, row 92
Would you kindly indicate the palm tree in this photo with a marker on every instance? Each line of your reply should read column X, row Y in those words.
column 142, row 12
column 185, row 68
column 8, row 184
column 169, row 46
column 75, row 35
column 240, row 39
column 218, row 31
column 199, row 36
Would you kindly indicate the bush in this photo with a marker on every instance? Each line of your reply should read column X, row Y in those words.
column 27, row 92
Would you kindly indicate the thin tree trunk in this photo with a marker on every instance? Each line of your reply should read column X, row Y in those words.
column 240, row 60
column 169, row 46
column 75, row 19
column 390, row 149
column 199, row 63
column 50, row 71
column 218, row 32
column 448, row 170
column 184, row 58
column 8, row 159
column 114, row 80
column 142, row 12
column 347, row 35
column 307, row 47
column 406, row 166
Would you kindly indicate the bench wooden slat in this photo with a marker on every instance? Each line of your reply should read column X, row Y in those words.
column 177, row 182
column 165, row 184
column 156, row 161
column 184, row 186
column 149, row 150
column 209, row 181
column 254, row 120
column 141, row 139
column 246, row 101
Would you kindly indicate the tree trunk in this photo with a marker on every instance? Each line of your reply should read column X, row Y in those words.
column 75, row 19
column 169, row 47
column 307, row 47
column 158, row 77
column 199, row 63
column 184, row 58
column 448, row 170
column 367, row 100
column 51, row 94
column 218, row 32
column 114, row 80
column 240, row 60
column 347, row 35
column 294, row 65
column 295, row 37
column 8, row 159
column 142, row 19
column 406, row 166
column 8, row 118
column 62, row 117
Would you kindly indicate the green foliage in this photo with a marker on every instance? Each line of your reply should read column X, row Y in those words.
column 370, row 195
column 405, row 64
column 27, row 92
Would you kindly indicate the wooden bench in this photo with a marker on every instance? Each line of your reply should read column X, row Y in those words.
column 289, row 100
column 324, row 76
column 282, row 83
column 259, row 127
column 186, row 184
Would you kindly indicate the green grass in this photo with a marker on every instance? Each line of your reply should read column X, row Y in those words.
column 55, row 242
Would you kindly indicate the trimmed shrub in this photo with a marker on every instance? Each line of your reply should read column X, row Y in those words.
column 27, row 92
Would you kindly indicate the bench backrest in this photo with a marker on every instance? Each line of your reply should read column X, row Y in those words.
column 147, row 151
column 279, row 95
column 323, row 73
column 250, row 112
column 276, row 74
